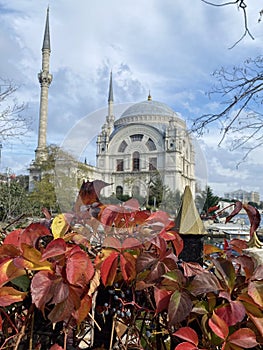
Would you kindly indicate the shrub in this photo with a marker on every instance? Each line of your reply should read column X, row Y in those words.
column 109, row 277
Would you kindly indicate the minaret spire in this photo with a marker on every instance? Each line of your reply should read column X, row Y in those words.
column 110, row 99
column 110, row 104
column 45, row 79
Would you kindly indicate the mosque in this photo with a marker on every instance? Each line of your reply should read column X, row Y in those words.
column 148, row 139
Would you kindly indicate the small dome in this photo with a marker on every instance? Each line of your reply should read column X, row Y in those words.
column 149, row 107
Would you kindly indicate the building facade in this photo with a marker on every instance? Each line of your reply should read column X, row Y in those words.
column 243, row 196
column 148, row 140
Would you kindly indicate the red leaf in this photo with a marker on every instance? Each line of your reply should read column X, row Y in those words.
column 238, row 207
column 9, row 271
column 188, row 334
column 132, row 204
column 255, row 290
column 159, row 217
column 79, row 267
column 112, row 242
column 131, row 243
column 128, row 266
column 179, row 308
column 238, row 245
column 258, row 322
column 226, row 271
column 211, row 249
column 109, row 269
column 42, row 288
column 192, row 269
column 8, row 251
column 178, row 243
column 186, row 346
column 243, row 337
column 62, row 311
column 162, row 298
column 218, row 326
column 247, row 264
column 60, row 291
column 31, row 234
column 89, row 193
column 9, row 295
column 258, row 274
column 56, row 347
column 203, row 283
column 82, row 312
column 254, row 217
column 54, row 248
column 13, row 237
column 232, row 313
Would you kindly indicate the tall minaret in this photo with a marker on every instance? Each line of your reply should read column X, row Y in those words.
column 45, row 79
column 111, row 117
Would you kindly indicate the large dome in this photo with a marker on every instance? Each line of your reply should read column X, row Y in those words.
column 149, row 112
column 149, row 107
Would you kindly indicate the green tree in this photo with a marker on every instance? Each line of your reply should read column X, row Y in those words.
column 206, row 200
column 13, row 199
column 157, row 191
column 44, row 195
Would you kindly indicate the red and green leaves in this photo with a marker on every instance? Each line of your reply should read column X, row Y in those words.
column 9, row 295
column 63, row 286
column 117, row 257
column 243, row 338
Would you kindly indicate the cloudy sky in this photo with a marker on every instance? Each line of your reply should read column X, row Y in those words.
column 170, row 47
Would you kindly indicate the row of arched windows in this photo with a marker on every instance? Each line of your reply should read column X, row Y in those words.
column 137, row 137
column 136, row 163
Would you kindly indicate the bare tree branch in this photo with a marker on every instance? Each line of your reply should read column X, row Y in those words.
column 12, row 121
column 241, row 4
column 240, row 90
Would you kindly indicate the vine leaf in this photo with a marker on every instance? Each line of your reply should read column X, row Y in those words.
column 188, row 334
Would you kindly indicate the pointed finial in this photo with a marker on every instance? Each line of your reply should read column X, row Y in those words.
column 46, row 41
column 110, row 99
column 149, row 96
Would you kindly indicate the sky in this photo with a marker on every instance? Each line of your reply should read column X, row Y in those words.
column 170, row 48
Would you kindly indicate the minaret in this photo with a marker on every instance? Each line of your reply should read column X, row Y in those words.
column 110, row 103
column 45, row 79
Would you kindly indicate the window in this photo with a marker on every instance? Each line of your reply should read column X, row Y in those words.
column 122, row 146
column 135, row 191
column 136, row 161
column 136, row 137
column 152, row 163
column 119, row 192
column 151, row 145
column 119, row 165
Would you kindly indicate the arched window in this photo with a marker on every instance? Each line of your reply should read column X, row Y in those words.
column 136, row 161
column 119, row 165
column 136, row 137
column 119, row 192
column 151, row 145
column 135, row 191
column 122, row 146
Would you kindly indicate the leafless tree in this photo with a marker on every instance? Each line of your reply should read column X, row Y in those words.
column 12, row 121
column 240, row 89
column 241, row 5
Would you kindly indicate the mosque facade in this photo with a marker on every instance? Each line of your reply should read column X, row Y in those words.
column 148, row 140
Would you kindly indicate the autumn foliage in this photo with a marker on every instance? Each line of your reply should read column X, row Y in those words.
column 115, row 272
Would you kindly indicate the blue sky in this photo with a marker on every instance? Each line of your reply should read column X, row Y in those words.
column 170, row 47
